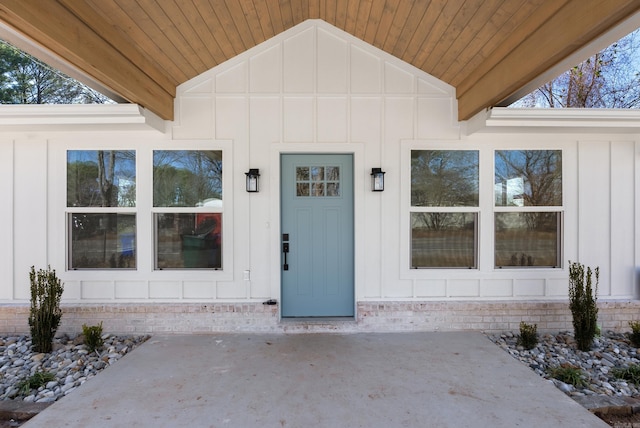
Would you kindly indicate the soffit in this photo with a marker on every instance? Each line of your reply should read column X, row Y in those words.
column 142, row 49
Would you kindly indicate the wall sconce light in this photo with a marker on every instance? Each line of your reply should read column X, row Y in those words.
column 377, row 179
column 252, row 179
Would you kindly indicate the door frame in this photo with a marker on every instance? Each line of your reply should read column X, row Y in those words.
column 359, row 185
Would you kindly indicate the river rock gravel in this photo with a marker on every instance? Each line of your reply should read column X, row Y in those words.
column 70, row 363
column 609, row 351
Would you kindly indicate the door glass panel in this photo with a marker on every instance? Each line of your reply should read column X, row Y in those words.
column 318, row 181
column 333, row 173
column 317, row 173
column 302, row 173
column 318, row 189
column 333, row 189
column 302, row 189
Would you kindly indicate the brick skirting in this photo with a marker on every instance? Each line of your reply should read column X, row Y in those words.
column 385, row 316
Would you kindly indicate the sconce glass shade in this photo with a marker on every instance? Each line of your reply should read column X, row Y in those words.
column 252, row 180
column 377, row 179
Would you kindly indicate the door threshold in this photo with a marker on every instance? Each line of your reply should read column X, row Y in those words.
column 317, row 320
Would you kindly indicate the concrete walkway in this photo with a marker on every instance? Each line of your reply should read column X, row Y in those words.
column 317, row 380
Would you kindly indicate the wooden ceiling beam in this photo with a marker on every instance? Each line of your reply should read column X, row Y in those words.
column 571, row 27
column 88, row 14
column 54, row 27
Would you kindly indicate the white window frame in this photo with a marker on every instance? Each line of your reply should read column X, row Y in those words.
column 540, row 208
column 406, row 271
column 69, row 211
column 475, row 210
column 226, row 272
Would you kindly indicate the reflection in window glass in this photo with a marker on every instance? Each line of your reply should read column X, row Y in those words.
column 444, row 178
column 101, row 178
column 302, row 173
column 99, row 241
column 528, row 178
column 443, row 240
column 317, row 181
column 317, row 173
column 187, row 178
column 527, row 239
column 188, row 240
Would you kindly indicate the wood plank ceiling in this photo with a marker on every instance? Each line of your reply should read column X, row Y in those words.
column 143, row 49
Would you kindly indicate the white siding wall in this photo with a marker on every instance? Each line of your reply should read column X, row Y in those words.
column 316, row 89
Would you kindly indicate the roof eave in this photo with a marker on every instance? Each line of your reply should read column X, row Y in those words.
column 503, row 119
column 48, row 117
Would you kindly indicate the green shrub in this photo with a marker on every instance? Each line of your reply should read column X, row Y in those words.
column 582, row 302
column 631, row 373
column 45, row 314
column 528, row 338
column 634, row 336
column 34, row 381
column 93, row 336
column 568, row 374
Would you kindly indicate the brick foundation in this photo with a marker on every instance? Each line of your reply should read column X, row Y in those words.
column 487, row 316
column 372, row 317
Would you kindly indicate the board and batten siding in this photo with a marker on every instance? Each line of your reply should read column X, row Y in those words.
column 316, row 89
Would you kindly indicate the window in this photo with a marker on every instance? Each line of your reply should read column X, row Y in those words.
column 187, row 201
column 101, row 215
column 528, row 208
column 318, row 181
column 444, row 208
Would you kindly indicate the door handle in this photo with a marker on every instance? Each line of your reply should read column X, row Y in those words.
column 285, row 251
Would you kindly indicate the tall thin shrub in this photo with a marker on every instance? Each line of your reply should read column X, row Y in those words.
column 45, row 314
column 528, row 338
column 635, row 333
column 93, row 336
column 582, row 302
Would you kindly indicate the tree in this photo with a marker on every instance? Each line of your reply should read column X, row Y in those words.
column 608, row 79
column 26, row 80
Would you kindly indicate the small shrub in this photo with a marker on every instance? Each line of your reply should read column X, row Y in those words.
column 582, row 302
column 634, row 336
column 528, row 338
column 34, row 381
column 568, row 374
column 45, row 314
column 93, row 336
column 631, row 373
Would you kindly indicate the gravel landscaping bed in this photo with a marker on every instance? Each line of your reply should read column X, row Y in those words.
column 70, row 364
column 610, row 351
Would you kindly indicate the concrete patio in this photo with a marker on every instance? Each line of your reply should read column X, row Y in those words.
column 456, row 379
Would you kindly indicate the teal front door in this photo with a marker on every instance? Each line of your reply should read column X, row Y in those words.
column 317, row 235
